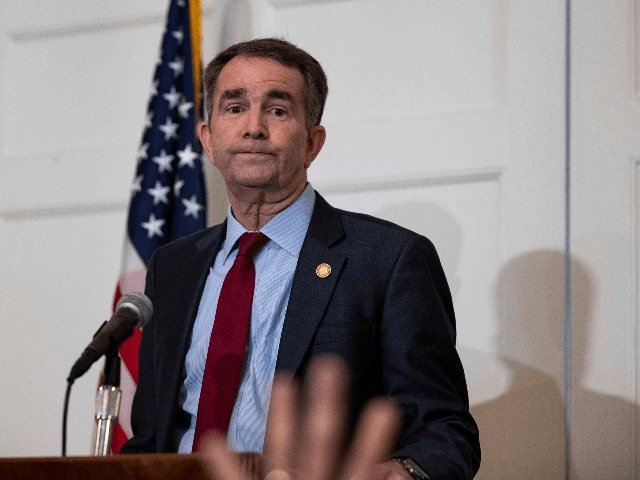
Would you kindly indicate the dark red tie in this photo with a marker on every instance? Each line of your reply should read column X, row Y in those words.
column 228, row 338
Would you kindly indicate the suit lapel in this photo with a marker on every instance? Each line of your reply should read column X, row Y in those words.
column 189, row 276
column 310, row 293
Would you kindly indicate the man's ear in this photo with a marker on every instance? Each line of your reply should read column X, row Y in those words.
column 205, row 139
column 315, row 141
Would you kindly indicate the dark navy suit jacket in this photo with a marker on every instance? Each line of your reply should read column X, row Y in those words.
column 385, row 309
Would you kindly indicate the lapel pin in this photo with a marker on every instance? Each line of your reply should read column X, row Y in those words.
column 323, row 270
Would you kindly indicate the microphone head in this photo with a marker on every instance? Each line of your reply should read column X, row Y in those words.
column 139, row 303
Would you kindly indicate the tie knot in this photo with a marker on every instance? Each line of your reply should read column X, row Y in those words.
column 251, row 243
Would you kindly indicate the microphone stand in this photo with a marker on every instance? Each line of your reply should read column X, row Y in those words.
column 107, row 404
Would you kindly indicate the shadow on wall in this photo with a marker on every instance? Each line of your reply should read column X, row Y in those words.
column 522, row 431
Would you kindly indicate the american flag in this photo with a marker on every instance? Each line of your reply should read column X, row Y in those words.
column 168, row 193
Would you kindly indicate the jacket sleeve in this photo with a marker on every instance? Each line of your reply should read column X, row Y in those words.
column 421, row 368
column 143, row 409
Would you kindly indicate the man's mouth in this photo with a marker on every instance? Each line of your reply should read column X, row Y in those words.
column 255, row 152
column 252, row 150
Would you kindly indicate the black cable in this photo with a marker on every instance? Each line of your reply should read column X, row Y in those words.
column 64, row 418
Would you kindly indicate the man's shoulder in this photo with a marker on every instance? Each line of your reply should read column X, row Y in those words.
column 193, row 242
column 382, row 237
column 355, row 223
column 364, row 221
column 365, row 237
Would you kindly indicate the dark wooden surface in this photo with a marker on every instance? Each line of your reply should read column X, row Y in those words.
column 118, row 467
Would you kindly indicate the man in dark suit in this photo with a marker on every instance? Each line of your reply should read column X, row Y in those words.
column 327, row 282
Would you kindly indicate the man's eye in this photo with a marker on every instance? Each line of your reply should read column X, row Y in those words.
column 278, row 112
column 234, row 110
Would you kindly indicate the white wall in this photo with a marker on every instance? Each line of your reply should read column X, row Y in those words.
column 76, row 79
column 445, row 116
column 605, row 238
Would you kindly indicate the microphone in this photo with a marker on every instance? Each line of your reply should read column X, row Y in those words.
column 133, row 310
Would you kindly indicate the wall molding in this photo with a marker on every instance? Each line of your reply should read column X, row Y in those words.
column 66, row 182
column 635, row 59
column 457, row 177
column 93, row 27
column 64, row 211
column 635, row 272
column 40, row 33
column 295, row 3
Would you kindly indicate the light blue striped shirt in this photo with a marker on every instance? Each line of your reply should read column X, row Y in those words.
column 275, row 266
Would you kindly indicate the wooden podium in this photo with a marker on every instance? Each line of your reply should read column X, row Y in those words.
column 117, row 467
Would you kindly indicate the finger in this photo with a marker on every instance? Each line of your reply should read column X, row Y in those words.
column 281, row 431
column 374, row 439
column 324, row 419
column 221, row 462
column 251, row 464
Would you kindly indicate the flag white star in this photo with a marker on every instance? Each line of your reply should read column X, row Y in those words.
column 142, row 152
column 172, row 97
column 154, row 88
column 181, row 3
column 192, row 207
column 187, row 156
column 164, row 161
column 184, row 108
column 149, row 123
column 177, row 66
column 177, row 186
column 136, row 186
column 178, row 35
column 153, row 226
column 169, row 128
column 159, row 193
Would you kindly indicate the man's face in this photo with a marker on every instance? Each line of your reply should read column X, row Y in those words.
column 257, row 135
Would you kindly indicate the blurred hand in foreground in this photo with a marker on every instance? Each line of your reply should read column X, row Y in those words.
column 309, row 444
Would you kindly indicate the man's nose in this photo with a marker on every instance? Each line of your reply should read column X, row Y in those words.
column 256, row 126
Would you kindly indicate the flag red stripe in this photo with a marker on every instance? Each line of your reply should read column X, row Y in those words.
column 116, row 297
column 129, row 353
column 129, row 349
column 119, row 438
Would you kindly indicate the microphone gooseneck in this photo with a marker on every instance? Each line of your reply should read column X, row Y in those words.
column 133, row 310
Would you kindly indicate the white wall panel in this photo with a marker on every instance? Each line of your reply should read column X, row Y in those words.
column 604, row 218
column 368, row 47
column 74, row 112
column 635, row 255
column 412, row 147
column 635, row 46
column 76, row 80
column 66, row 181
column 38, row 16
column 4, row 43
column 408, row 81
column 57, row 89
column 606, row 120
column 54, row 292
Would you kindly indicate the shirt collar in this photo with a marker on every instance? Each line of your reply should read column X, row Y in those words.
column 288, row 228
